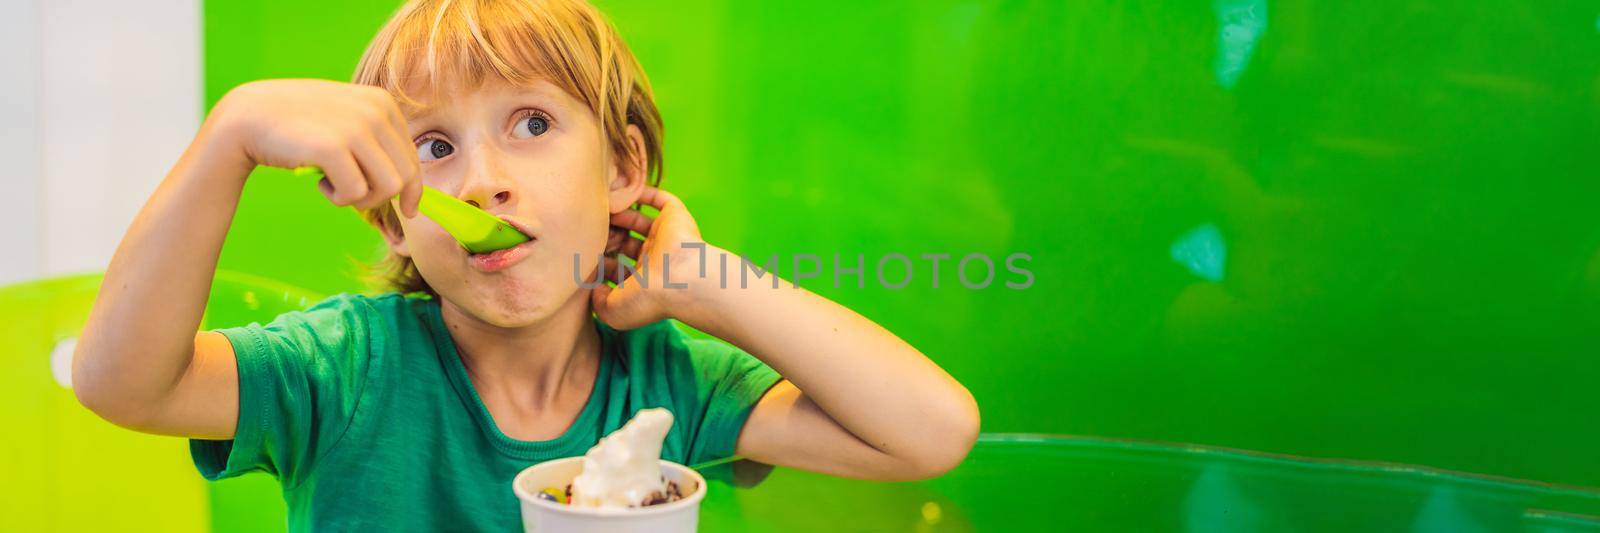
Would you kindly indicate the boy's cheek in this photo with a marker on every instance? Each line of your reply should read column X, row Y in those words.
column 585, row 242
column 432, row 245
column 577, row 235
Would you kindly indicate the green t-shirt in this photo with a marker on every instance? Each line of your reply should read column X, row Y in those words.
column 362, row 409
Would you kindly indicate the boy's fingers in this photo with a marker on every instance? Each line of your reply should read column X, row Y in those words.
column 396, row 118
column 615, row 270
column 631, row 248
column 657, row 198
column 403, row 157
column 383, row 180
column 345, row 178
column 411, row 193
column 608, row 269
column 615, row 238
column 400, row 145
column 634, row 220
column 410, row 196
column 400, row 151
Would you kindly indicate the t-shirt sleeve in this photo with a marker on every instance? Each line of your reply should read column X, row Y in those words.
column 728, row 383
column 299, row 379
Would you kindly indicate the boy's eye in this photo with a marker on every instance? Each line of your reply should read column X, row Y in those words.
column 533, row 126
column 432, row 149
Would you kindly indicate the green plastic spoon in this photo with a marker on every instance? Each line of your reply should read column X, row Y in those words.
column 476, row 229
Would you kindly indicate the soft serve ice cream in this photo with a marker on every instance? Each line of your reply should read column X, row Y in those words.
column 624, row 469
column 620, row 486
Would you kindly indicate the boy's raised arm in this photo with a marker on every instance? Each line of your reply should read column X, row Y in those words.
column 855, row 401
column 139, row 362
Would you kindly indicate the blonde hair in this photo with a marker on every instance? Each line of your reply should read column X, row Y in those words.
column 434, row 43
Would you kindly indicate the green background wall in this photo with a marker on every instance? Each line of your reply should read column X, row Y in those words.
column 1363, row 229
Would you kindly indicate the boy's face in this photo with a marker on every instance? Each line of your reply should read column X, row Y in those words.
column 534, row 156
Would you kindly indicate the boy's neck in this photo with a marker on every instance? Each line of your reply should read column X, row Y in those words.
column 534, row 365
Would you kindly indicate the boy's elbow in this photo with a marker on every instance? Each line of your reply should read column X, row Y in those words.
column 950, row 448
column 93, row 401
column 936, row 465
column 112, row 408
column 94, row 397
column 99, row 396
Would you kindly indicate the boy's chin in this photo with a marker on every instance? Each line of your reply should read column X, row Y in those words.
column 510, row 308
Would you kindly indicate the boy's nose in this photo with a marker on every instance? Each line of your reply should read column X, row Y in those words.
column 488, row 198
column 488, row 186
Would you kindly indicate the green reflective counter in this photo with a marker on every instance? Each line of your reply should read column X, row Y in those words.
column 1017, row 482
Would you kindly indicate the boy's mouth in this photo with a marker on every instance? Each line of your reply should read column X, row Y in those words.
column 505, row 258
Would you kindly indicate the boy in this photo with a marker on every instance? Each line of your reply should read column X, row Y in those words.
column 413, row 410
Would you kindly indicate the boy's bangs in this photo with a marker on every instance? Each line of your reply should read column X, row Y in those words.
column 458, row 43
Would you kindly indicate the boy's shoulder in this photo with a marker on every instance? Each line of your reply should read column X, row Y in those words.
column 341, row 322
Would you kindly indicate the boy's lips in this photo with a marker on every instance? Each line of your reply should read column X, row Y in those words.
column 502, row 259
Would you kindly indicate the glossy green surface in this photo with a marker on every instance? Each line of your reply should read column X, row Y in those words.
column 1033, row 483
column 1364, row 229
column 64, row 469
column 61, row 467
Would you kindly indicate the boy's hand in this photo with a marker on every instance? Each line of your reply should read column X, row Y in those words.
column 632, row 304
column 356, row 133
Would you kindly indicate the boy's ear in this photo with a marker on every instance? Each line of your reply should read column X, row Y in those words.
column 393, row 234
column 629, row 174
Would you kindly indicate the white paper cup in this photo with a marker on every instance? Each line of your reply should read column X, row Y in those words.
column 545, row 516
